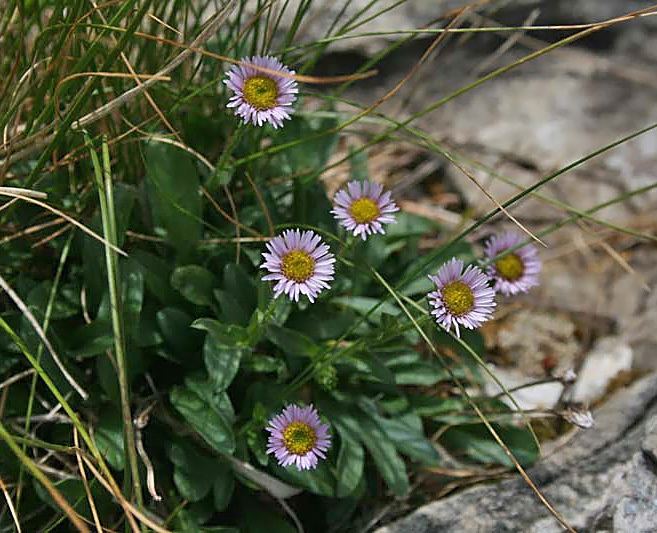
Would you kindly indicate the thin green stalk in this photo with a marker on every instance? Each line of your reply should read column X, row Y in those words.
column 226, row 154
column 104, row 184
column 33, row 442
column 356, row 21
column 302, row 9
column 61, row 502
column 46, row 323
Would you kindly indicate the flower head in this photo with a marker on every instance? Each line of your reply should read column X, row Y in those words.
column 300, row 262
column 516, row 271
column 363, row 208
column 297, row 436
column 462, row 297
column 261, row 95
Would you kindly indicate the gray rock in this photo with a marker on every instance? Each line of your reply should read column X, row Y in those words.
column 603, row 479
column 536, row 118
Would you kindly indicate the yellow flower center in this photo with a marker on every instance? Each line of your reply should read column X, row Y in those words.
column 364, row 210
column 298, row 266
column 510, row 267
column 458, row 298
column 299, row 438
column 261, row 92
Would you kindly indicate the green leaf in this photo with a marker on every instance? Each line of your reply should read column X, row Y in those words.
column 194, row 474
column 257, row 443
column 238, row 298
column 208, row 421
column 232, row 309
column 223, row 487
column 408, row 439
column 173, row 192
column 187, row 521
column 225, row 333
column 176, row 329
column 409, row 225
column 62, row 308
column 265, row 364
column 322, row 321
column 362, row 305
column 222, row 175
column 91, row 339
column 7, row 362
column 272, row 310
column 124, row 201
column 74, row 492
column 195, row 283
column 318, row 481
column 259, row 519
column 157, row 275
column 361, row 427
column 404, row 430
column 351, row 461
column 93, row 260
column 421, row 285
column 478, row 444
column 292, row 342
column 370, row 368
column 222, row 361
column 241, row 286
column 311, row 205
column 440, row 409
column 421, row 373
column 390, row 465
column 109, row 439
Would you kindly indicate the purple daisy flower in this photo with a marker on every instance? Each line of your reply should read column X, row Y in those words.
column 363, row 208
column 516, row 271
column 261, row 95
column 298, row 437
column 463, row 297
column 300, row 262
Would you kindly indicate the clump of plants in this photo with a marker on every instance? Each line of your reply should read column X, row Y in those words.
column 194, row 335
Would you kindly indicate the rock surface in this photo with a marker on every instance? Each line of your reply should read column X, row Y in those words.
column 602, row 479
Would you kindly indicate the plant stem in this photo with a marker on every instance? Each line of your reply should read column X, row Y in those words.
column 106, row 197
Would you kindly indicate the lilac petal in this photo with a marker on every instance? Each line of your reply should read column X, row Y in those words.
column 354, row 190
column 477, row 282
column 286, row 86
